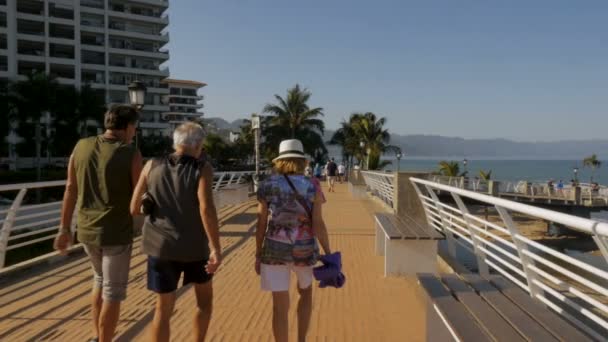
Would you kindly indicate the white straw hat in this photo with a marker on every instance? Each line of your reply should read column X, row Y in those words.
column 290, row 149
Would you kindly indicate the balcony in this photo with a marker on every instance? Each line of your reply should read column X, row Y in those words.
column 3, row 42
column 3, row 63
column 93, row 3
column 2, row 19
column 30, row 7
column 92, row 21
column 91, row 39
column 34, row 28
column 61, row 31
column 26, row 47
column 61, row 11
column 93, row 57
column 92, row 77
column 25, row 68
column 61, row 51
column 63, row 71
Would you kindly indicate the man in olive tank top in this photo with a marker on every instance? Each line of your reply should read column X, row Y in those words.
column 102, row 173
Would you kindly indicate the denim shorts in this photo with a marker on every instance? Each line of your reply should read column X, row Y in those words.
column 163, row 274
column 111, row 270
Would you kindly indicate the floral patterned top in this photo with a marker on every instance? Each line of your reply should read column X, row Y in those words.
column 289, row 235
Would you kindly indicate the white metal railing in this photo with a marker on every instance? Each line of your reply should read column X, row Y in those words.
column 381, row 185
column 575, row 289
column 23, row 225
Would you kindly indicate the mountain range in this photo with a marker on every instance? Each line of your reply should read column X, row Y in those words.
column 419, row 145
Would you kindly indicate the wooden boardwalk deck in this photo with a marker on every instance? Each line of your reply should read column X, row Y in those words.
column 52, row 303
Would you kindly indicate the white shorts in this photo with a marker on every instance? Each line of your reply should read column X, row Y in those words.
column 276, row 278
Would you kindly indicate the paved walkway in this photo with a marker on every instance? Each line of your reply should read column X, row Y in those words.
column 53, row 304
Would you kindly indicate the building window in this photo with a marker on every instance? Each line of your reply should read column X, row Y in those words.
column 61, row 31
column 25, row 68
column 3, row 42
column 93, row 57
column 3, row 63
column 61, row 11
column 61, row 51
column 2, row 19
column 26, row 47
column 30, row 7
column 92, row 3
column 189, row 92
column 93, row 76
column 63, row 71
column 30, row 27
column 91, row 39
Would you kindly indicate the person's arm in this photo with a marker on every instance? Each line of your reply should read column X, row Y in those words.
column 318, row 224
column 260, row 232
column 209, row 217
column 70, row 197
column 140, row 189
column 136, row 167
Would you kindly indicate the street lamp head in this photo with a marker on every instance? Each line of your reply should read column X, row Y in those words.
column 575, row 170
column 399, row 155
column 137, row 94
column 465, row 161
column 362, row 144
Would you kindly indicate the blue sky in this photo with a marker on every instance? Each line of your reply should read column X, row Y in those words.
column 523, row 70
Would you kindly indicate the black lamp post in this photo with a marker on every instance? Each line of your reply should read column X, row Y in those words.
column 575, row 170
column 137, row 94
column 137, row 97
column 399, row 156
column 465, row 162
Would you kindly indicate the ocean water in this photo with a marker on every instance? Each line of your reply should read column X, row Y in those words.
column 512, row 169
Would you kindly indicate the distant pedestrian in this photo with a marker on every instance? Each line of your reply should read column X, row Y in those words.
column 332, row 171
column 341, row 172
column 289, row 224
column 560, row 187
column 102, row 173
column 181, row 223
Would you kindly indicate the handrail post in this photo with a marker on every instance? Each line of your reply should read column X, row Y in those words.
column 7, row 226
column 475, row 237
column 521, row 247
column 444, row 222
column 602, row 243
column 219, row 182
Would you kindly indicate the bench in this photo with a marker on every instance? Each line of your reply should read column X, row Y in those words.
column 407, row 246
column 471, row 308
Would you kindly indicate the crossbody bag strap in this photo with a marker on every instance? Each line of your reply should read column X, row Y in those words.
column 299, row 197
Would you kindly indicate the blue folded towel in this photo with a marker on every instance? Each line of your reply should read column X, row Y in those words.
column 330, row 274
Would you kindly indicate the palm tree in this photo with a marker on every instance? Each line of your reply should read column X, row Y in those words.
column 449, row 168
column 293, row 118
column 592, row 162
column 485, row 175
column 369, row 129
column 32, row 98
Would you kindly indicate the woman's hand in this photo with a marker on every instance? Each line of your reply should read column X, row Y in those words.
column 257, row 265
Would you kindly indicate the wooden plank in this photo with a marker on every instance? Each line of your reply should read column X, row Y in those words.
column 556, row 325
column 406, row 232
column 455, row 314
column 516, row 317
column 389, row 228
column 424, row 231
column 492, row 323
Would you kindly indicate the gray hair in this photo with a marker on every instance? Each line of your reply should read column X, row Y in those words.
column 188, row 134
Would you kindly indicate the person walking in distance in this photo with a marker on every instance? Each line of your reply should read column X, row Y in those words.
column 332, row 170
column 102, row 173
column 289, row 224
column 181, row 222
column 341, row 172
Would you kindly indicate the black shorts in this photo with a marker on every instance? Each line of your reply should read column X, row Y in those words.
column 163, row 274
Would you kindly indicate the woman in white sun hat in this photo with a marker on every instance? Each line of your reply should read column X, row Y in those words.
column 289, row 224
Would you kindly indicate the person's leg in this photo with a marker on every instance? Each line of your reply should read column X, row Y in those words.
column 275, row 278
column 161, row 324
column 304, row 312
column 115, row 264
column 94, row 254
column 305, row 276
column 194, row 272
column 204, row 303
column 280, row 310
column 163, row 276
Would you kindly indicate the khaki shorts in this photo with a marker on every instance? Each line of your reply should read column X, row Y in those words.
column 110, row 270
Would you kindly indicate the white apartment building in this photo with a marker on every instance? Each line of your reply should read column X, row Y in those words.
column 183, row 100
column 104, row 43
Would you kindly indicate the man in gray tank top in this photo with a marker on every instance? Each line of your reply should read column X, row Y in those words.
column 180, row 233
